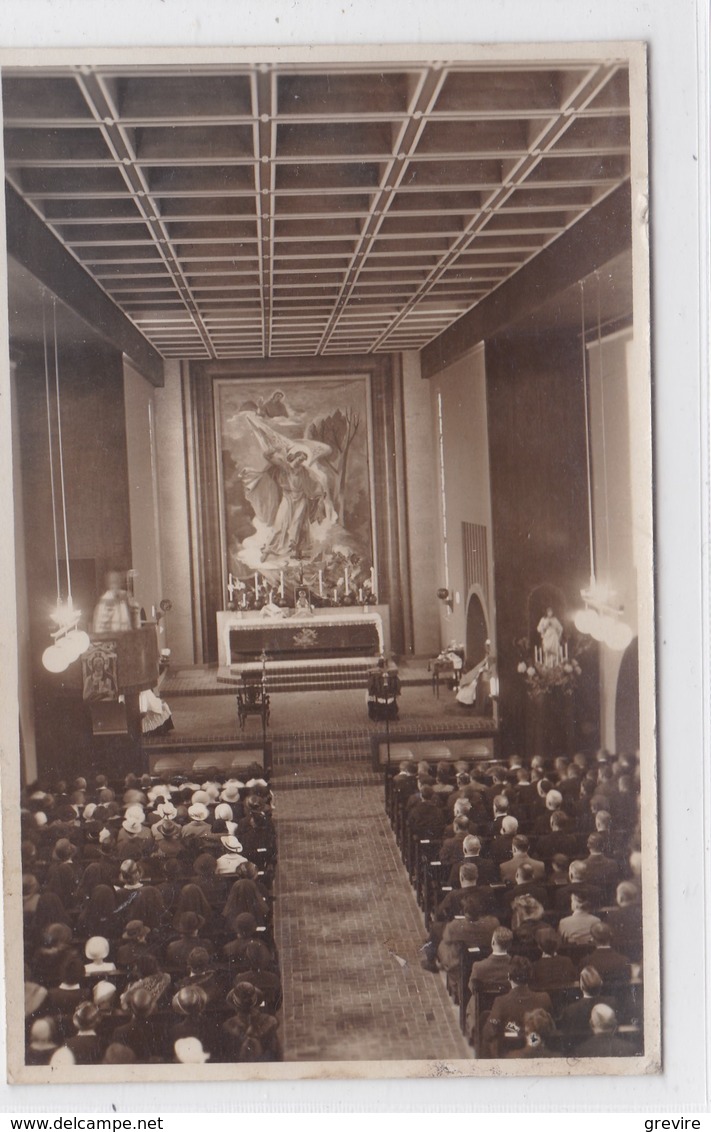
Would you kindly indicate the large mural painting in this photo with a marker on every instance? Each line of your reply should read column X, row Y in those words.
column 295, row 463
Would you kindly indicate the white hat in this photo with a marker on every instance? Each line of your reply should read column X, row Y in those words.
column 160, row 791
column 198, row 812
column 201, row 796
column 223, row 812
column 189, row 1051
column 135, row 812
column 230, row 792
column 166, row 810
column 132, row 825
column 232, row 844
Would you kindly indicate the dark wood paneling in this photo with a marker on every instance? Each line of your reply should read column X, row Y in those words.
column 34, row 246
column 536, row 423
column 96, row 479
column 206, row 524
column 388, row 459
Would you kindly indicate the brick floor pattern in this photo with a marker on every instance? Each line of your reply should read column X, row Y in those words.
column 349, row 932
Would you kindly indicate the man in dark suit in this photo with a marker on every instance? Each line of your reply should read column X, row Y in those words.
column 426, row 817
column 604, row 1041
column 472, row 856
column 578, row 885
column 626, row 921
column 451, row 851
column 500, row 846
column 559, row 839
column 551, row 971
column 450, row 907
column 520, row 856
column 527, row 885
column 494, row 970
column 602, row 871
column 504, row 1027
column 613, row 968
column 574, row 1022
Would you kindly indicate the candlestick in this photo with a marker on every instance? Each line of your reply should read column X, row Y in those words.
column 320, row 583
column 360, row 595
column 372, row 578
column 335, row 593
column 256, row 585
column 281, row 583
column 347, row 587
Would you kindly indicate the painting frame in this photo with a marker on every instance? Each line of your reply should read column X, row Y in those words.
column 329, row 574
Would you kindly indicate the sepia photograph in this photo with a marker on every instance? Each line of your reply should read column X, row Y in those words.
column 331, row 403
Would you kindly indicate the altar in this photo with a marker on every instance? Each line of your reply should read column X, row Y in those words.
column 347, row 631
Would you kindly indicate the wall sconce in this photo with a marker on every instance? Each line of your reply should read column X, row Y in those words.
column 444, row 595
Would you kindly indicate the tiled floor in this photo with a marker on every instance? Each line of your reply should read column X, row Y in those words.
column 349, row 932
column 215, row 715
column 348, row 926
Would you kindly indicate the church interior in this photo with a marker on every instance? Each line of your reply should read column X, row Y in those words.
column 332, row 367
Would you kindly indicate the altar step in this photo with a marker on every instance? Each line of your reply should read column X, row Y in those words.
column 213, row 680
column 306, row 675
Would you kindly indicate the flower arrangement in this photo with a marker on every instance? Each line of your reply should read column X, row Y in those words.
column 542, row 679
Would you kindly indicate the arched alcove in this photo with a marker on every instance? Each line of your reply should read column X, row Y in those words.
column 627, row 700
column 477, row 629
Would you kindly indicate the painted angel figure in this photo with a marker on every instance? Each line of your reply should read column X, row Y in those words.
column 290, row 493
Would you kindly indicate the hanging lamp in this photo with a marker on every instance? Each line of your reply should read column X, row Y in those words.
column 599, row 618
column 68, row 640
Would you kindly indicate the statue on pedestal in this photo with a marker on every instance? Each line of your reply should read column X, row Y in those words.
column 551, row 632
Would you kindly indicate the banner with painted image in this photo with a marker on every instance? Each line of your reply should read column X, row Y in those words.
column 295, row 466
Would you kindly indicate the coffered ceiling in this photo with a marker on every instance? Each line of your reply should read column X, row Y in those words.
column 275, row 210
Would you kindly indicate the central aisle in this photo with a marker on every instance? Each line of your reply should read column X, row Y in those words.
column 345, row 918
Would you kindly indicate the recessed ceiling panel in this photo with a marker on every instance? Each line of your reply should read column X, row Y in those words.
column 323, row 209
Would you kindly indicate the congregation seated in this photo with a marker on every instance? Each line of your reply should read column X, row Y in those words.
column 538, row 863
column 141, row 907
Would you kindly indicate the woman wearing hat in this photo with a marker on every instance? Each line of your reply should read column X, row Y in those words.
column 178, row 952
column 192, row 899
column 98, row 917
column 198, row 825
column 146, row 975
column 134, row 943
column 250, row 1022
column 132, row 829
column 231, row 858
column 225, row 813
column 168, row 842
column 96, row 951
column 164, row 810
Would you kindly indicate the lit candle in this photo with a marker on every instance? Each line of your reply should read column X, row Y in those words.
column 320, row 583
column 256, row 585
column 281, row 583
column 347, row 587
column 372, row 578
column 153, row 612
column 335, row 594
column 360, row 595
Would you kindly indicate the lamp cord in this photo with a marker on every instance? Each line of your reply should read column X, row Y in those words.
column 61, row 455
column 591, row 532
column 51, row 451
column 602, row 421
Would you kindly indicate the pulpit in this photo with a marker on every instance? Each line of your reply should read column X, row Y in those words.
column 115, row 669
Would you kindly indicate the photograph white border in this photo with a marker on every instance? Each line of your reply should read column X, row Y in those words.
column 674, row 36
